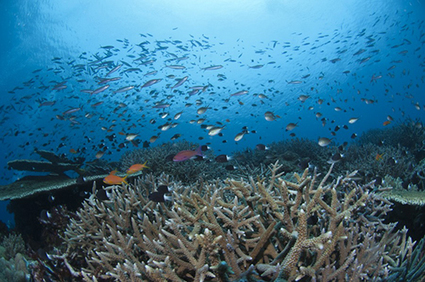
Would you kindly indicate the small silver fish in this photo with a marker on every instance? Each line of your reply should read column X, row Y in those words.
column 202, row 110
column 239, row 136
column 180, row 82
column 323, row 141
column 353, row 120
column 215, row 130
column 216, row 67
column 291, row 126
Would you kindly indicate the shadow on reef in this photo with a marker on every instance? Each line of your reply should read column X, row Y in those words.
column 382, row 158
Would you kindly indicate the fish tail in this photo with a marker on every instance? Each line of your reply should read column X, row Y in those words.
column 144, row 165
column 123, row 180
column 199, row 151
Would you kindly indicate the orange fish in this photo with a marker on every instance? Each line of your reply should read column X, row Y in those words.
column 136, row 168
column 386, row 123
column 113, row 179
column 72, row 151
column 379, row 156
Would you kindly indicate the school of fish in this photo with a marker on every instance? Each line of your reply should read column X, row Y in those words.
column 132, row 94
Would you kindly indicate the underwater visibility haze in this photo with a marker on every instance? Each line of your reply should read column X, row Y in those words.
column 107, row 91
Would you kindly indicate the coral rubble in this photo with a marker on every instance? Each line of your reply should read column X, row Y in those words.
column 270, row 229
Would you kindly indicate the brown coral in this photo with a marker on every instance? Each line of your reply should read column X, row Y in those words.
column 288, row 229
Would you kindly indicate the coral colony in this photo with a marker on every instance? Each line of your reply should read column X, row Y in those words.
column 278, row 214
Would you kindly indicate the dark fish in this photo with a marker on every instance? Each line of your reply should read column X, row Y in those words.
column 261, row 147
column 159, row 197
column 163, row 189
column 146, row 144
column 175, row 136
column 312, row 220
column 81, row 179
column 379, row 180
column 222, row 158
column 169, row 158
column 335, row 158
column 199, row 158
column 51, row 198
column 205, row 148
column 392, row 161
column 256, row 67
column 304, row 163
column 45, row 216
column 230, row 167
column 102, row 195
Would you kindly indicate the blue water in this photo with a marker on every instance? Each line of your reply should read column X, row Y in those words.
column 48, row 42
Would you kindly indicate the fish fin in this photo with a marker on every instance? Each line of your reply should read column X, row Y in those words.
column 144, row 165
column 199, row 151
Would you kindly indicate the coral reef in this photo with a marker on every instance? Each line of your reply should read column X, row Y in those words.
column 12, row 245
column 409, row 206
column 14, row 269
column 159, row 160
column 55, row 164
column 410, row 266
column 374, row 160
column 298, row 228
column 35, row 185
column 409, row 134
column 293, row 155
column 405, row 196
column 12, row 263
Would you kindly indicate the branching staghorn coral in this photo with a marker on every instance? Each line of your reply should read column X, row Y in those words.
column 309, row 228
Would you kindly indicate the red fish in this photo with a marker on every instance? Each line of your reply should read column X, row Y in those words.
column 187, row 154
column 136, row 168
